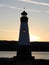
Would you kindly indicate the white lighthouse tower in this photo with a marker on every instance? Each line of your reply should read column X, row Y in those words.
column 24, row 42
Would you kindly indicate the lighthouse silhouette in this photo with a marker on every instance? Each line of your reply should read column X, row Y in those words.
column 24, row 41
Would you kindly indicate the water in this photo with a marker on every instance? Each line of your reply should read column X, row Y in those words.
column 7, row 54
column 38, row 55
column 41, row 55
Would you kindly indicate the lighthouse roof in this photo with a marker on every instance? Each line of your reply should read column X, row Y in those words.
column 24, row 13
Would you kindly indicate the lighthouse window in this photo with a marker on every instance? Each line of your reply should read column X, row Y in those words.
column 24, row 30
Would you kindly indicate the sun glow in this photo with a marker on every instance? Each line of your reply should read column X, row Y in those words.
column 34, row 38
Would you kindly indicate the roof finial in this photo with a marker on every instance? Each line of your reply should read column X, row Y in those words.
column 24, row 8
column 24, row 13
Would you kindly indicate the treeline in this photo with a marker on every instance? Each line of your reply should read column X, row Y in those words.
column 12, row 46
column 8, row 45
column 40, row 46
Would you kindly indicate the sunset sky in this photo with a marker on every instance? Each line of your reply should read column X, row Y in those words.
column 38, row 14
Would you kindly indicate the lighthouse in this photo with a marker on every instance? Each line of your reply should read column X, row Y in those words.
column 24, row 41
column 24, row 31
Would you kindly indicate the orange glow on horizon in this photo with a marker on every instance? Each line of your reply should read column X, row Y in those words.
column 34, row 38
column 14, row 36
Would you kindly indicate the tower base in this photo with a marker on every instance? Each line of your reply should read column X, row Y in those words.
column 25, row 61
column 24, row 51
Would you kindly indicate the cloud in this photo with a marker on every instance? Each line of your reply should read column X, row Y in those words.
column 36, row 11
column 1, row 5
column 47, row 12
column 11, row 7
column 19, row 8
column 35, row 2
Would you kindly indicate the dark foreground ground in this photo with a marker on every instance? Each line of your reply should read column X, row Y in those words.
column 23, row 61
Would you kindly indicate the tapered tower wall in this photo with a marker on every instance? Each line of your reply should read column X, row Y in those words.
column 24, row 41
